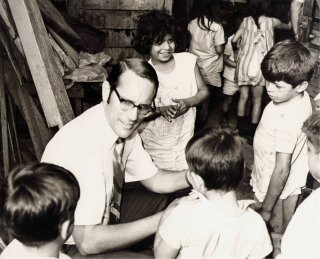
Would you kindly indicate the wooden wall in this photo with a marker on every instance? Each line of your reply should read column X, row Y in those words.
column 117, row 18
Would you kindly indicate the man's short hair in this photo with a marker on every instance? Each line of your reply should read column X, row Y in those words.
column 40, row 198
column 289, row 61
column 140, row 67
column 311, row 127
column 216, row 155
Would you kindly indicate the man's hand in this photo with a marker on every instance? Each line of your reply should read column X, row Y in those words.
column 182, row 107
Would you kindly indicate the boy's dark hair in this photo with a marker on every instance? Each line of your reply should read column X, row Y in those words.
column 40, row 198
column 152, row 27
column 210, row 9
column 311, row 127
column 288, row 61
column 216, row 155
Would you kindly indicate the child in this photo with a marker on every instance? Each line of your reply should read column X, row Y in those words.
column 230, row 84
column 41, row 200
column 301, row 239
column 280, row 150
column 216, row 224
column 181, row 88
column 256, row 36
column 207, row 43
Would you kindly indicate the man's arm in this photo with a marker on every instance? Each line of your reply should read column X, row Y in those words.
column 95, row 239
column 166, row 181
column 277, row 182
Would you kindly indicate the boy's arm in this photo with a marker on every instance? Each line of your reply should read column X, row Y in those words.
column 202, row 94
column 95, row 239
column 228, row 61
column 277, row 182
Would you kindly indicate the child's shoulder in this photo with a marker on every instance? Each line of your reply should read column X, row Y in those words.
column 185, row 57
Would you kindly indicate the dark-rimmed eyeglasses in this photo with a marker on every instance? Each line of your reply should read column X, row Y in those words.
column 126, row 105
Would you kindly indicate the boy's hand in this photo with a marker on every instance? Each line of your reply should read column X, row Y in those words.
column 182, row 107
column 168, row 112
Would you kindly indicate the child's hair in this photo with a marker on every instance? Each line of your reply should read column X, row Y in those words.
column 311, row 127
column 233, row 23
column 40, row 198
column 152, row 27
column 216, row 155
column 209, row 9
column 258, row 8
column 288, row 61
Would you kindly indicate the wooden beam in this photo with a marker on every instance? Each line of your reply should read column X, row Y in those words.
column 4, row 122
column 40, row 134
column 40, row 58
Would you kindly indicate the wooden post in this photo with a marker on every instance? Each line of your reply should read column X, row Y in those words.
column 4, row 122
column 40, row 58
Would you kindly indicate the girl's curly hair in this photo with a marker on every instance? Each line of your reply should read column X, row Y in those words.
column 153, row 27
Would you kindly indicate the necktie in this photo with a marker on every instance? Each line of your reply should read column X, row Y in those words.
column 118, row 179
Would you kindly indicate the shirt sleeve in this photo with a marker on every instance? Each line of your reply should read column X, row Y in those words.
column 219, row 35
column 286, row 136
column 171, row 230
column 139, row 164
column 263, row 245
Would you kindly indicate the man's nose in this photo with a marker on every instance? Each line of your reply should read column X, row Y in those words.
column 133, row 114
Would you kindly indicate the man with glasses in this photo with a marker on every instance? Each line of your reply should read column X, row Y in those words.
column 99, row 144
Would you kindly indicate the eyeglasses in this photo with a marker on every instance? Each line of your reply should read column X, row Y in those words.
column 126, row 105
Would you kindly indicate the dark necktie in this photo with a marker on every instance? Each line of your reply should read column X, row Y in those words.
column 118, row 179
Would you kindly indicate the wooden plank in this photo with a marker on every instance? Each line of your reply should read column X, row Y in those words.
column 40, row 57
column 39, row 132
column 121, row 53
column 73, row 8
column 110, row 19
column 118, row 38
column 123, row 4
column 4, row 122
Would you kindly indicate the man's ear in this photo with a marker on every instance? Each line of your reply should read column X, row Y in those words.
column 302, row 86
column 105, row 91
column 66, row 229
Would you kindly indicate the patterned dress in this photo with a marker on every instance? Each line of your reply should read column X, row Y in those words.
column 255, row 43
column 166, row 141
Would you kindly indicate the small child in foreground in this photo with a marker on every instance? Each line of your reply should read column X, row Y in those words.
column 211, row 222
column 280, row 149
column 301, row 239
column 38, row 213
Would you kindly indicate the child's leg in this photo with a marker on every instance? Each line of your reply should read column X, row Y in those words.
column 257, row 92
column 244, row 93
column 241, row 110
column 289, row 207
column 227, row 100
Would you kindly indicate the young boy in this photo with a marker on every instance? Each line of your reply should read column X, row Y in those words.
column 302, row 237
column 280, row 150
column 214, row 224
column 38, row 213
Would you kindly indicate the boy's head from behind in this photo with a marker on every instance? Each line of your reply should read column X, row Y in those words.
column 311, row 128
column 215, row 155
column 40, row 204
column 288, row 61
